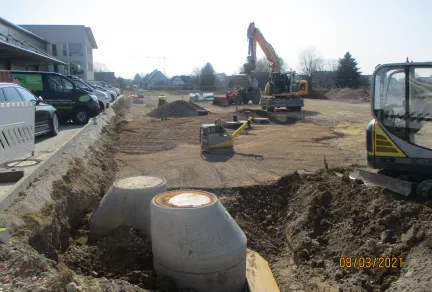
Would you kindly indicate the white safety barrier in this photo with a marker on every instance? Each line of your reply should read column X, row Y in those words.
column 17, row 122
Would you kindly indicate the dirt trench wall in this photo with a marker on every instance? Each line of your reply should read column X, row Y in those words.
column 59, row 199
column 75, row 195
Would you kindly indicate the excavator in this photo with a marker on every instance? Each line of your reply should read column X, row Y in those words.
column 399, row 138
column 284, row 89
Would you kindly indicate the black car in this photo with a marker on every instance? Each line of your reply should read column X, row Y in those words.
column 46, row 118
column 71, row 102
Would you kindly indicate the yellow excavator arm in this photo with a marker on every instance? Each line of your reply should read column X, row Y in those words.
column 255, row 36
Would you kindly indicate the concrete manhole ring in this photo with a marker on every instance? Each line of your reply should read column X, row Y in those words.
column 20, row 163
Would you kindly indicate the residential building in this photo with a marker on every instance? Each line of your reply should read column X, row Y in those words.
column 108, row 77
column 177, row 81
column 155, row 79
column 182, row 81
column 73, row 44
column 21, row 49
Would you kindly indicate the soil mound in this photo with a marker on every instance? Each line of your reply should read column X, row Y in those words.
column 123, row 255
column 313, row 220
column 177, row 109
column 349, row 94
column 316, row 94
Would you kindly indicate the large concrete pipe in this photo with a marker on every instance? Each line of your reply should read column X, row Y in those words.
column 127, row 203
column 196, row 243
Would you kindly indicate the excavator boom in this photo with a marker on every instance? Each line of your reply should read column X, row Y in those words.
column 255, row 36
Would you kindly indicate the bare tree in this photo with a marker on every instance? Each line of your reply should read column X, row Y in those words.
column 100, row 67
column 331, row 64
column 263, row 65
column 310, row 61
column 196, row 71
column 195, row 78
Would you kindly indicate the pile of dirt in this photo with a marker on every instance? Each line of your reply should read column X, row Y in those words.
column 122, row 255
column 361, row 94
column 176, row 109
column 312, row 220
column 317, row 94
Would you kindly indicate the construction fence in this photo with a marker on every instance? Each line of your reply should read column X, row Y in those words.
column 17, row 122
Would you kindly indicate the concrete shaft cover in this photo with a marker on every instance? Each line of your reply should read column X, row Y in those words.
column 196, row 242
column 127, row 203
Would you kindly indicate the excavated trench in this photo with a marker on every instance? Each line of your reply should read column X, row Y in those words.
column 302, row 224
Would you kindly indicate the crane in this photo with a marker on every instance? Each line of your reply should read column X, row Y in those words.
column 284, row 88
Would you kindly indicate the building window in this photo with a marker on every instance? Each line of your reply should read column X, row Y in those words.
column 76, row 68
column 75, row 50
column 64, row 49
column 90, row 67
column 54, row 50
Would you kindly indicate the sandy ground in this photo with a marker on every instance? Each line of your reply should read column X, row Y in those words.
column 332, row 129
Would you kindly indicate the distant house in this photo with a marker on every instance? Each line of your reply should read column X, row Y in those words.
column 108, row 77
column 177, row 81
column 155, row 79
column 181, row 81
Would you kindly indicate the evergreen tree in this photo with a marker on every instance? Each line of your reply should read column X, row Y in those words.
column 348, row 73
column 137, row 79
column 207, row 78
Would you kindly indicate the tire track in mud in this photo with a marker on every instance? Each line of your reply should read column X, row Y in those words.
column 218, row 176
column 243, row 171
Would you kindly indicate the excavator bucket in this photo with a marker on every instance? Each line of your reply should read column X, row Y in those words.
column 220, row 100
column 258, row 274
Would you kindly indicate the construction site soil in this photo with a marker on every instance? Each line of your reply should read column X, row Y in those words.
column 349, row 94
column 177, row 109
column 302, row 223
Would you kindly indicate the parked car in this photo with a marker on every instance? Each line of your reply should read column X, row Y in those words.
column 46, row 118
column 70, row 101
column 104, row 100
column 110, row 93
column 106, row 86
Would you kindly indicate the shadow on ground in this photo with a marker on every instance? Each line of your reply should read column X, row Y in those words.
column 223, row 157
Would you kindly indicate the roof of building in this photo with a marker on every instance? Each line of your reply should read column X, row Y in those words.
column 91, row 37
column 184, row 78
column 20, row 49
column 4, row 21
column 148, row 77
column 87, row 30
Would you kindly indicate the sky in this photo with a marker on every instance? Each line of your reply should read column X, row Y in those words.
column 189, row 33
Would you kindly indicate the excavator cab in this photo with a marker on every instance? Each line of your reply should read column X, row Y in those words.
column 399, row 138
column 287, row 82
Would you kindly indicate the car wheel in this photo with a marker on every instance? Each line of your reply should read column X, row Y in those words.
column 54, row 125
column 112, row 98
column 81, row 116
column 102, row 107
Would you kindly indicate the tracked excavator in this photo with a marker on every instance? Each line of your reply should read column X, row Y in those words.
column 399, row 138
column 284, row 89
